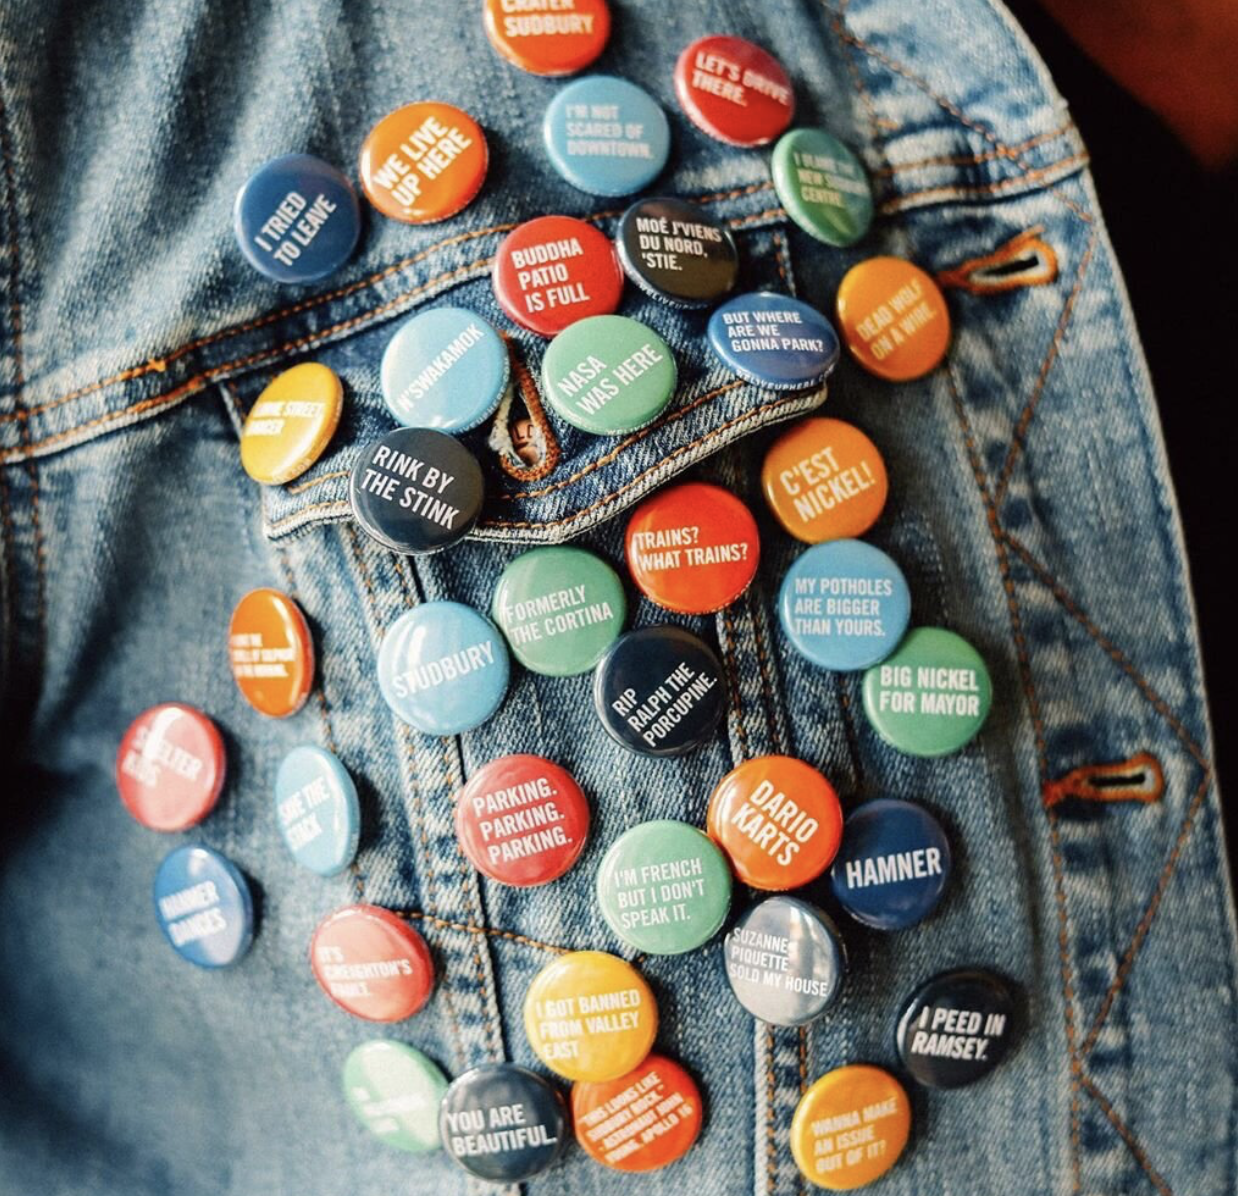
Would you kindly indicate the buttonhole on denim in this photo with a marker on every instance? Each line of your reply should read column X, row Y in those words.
column 521, row 436
column 1138, row 779
column 1026, row 260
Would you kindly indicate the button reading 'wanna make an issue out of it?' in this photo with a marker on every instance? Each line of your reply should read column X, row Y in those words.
column 317, row 810
column 170, row 767
column 677, row 252
column 773, row 341
column 548, row 37
column 395, row 1091
column 734, row 90
column 291, row 423
column 204, row 906
column 271, row 652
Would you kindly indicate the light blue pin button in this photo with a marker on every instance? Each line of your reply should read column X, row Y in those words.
column 316, row 807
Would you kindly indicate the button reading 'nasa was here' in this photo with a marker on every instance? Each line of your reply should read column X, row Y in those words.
column 844, row 605
column 548, row 37
column 291, row 423
column 894, row 864
column 170, row 767
column 774, row 341
column 823, row 186
column 204, row 906
column 317, row 810
column 271, row 652
column 677, row 252
column 734, row 90
column 395, row 1091
column 443, row 668
column 297, row 219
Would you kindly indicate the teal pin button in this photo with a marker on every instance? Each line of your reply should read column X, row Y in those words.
column 395, row 1092
column 664, row 887
column 823, row 186
column 560, row 609
column 608, row 375
column 931, row 696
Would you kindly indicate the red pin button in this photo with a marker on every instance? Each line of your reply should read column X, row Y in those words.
column 734, row 91
column 170, row 767
column 371, row 963
column 552, row 271
column 548, row 37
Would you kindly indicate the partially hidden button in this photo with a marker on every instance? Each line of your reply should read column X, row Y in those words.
column 371, row 963
column 395, row 1092
column 170, row 767
column 443, row 668
column 664, row 888
column 317, row 810
column 204, row 906
column 734, row 90
column 677, row 252
column 548, row 37
column 416, row 491
column 823, row 186
column 773, row 341
column 271, row 652
column 844, row 605
column 291, row 423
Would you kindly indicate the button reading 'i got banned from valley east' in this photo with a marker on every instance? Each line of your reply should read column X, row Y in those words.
column 204, row 906
column 677, row 252
column 774, row 341
column 548, row 37
column 395, row 1092
column 272, row 652
column 170, row 767
column 734, row 91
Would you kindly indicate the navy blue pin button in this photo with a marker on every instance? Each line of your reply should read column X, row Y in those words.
column 416, row 490
column 502, row 1123
column 893, row 866
column 317, row 809
column 659, row 691
column 676, row 252
column 204, row 906
column 297, row 219
column 774, row 341
column 958, row 1027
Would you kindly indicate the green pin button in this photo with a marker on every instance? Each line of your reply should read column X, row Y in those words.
column 931, row 696
column 608, row 375
column 823, row 186
column 395, row 1091
column 664, row 887
column 560, row 609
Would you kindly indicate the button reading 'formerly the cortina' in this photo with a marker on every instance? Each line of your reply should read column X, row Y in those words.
column 395, row 1092
column 734, row 90
column 677, row 252
column 170, row 767
column 204, row 906
column 291, row 423
column 823, row 186
column 548, row 37
column 317, row 810
column 271, row 652
column 773, row 341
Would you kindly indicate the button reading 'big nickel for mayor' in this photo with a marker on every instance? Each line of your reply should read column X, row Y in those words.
column 291, row 423
column 170, row 767
column 734, row 91
column 548, row 37
column 823, row 186
column 677, row 252
column 774, row 341
column 271, row 652
column 395, row 1092
column 204, row 906
column 317, row 810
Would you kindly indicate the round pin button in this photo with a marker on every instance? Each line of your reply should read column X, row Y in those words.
column 204, row 906
column 560, row 609
column 957, row 1028
column 395, row 1092
column 291, row 423
column 785, row 961
column 522, row 820
column 677, row 252
column 608, row 375
column 642, row 1121
column 170, row 767
column 844, row 605
column 317, row 810
column 778, row 820
column 297, row 219
column 893, row 866
column 850, row 1127
column 734, row 91
column 606, row 136
column 371, row 963
column 893, row 318
column 590, row 1016
column 824, row 480
column 442, row 668
column 774, row 341
column 823, row 186
column 416, row 491
column 664, row 888
column 554, row 270
column 930, row 697
column 659, row 691
column 272, row 652
column 502, row 1123
column 445, row 368
column 551, row 37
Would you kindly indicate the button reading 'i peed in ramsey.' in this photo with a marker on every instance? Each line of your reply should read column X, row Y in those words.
column 550, row 37
column 734, row 91
column 823, row 186
column 774, row 341
column 395, row 1092
column 170, row 767
column 291, row 423
column 204, row 906
column 317, row 810
column 272, row 652
column 677, row 252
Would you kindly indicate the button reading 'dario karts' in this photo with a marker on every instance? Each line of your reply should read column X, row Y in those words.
column 272, row 652
column 502, row 1123
column 677, row 252
column 291, row 423
column 734, row 90
column 297, row 219
column 551, row 37
column 893, row 866
column 659, row 691
column 606, row 136
column 416, row 491
column 642, row 1121
column 844, row 605
column 823, row 186
column 957, row 1028
column 170, row 767
column 204, row 906
column 395, row 1092
column 443, row 668
column 773, row 341
column 664, row 888
column 522, row 820
column 371, row 963
column 590, row 1016
column 785, row 961
column 317, row 810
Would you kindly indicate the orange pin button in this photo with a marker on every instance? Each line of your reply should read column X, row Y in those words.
column 291, row 424
column 561, row 40
column 893, row 318
column 272, row 653
column 423, row 162
column 825, row 480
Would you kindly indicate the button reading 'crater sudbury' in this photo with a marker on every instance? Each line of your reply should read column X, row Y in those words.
column 395, row 1091
column 204, row 906
column 317, row 810
column 677, row 252
column 291, row 423
column 774, row 341
column 170, row 767
column 271, row 652
column 823, row 186
column 548, row 37
column 734, row 90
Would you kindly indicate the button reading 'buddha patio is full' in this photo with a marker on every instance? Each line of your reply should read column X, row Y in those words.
column 774, row 341
column 291, row 423
column 204, row 906
column 823, row 186
column 395, row 1092
column 170, row 767
column 548, row 37
column 677, row 252
column 734, row 90
column 317, row 810
column 272, row 652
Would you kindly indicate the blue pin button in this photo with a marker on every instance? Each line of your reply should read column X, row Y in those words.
column 204, row 906
column 443, row 668
column 606, row 136
column 774, row 341
column 502, row 1123
column 844, row 605
column 316, row 807
column 297, row 219
column 893, row 866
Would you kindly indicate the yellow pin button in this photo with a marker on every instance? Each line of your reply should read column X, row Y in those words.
column 291, row 424
column 590, row 1016
column 850, row 1127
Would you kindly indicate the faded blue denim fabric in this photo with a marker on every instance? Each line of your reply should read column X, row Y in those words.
column 1030, row 509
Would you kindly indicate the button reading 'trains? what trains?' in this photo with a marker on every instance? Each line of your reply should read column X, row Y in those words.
column 291, row 423
column 773, row 341
column 204, row 906
column 823, row 186
column 734, row 90
column 395, row 1092
column 170, row 767
column 548, row 37
column 677, row 252
column 317, row 810
column 271, row 652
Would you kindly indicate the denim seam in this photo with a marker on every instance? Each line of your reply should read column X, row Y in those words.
column 732, row 677
column 1055, row 170
column 1127, row 1135
column 1005, row 152
column 485, row 931
column 8, row 601
column 766, row 665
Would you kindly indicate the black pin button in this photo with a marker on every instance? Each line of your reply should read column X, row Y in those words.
column 677, row 253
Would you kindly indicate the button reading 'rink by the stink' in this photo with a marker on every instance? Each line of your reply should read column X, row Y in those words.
column 204, row 906
column 317, row 809
column 271, row 652
column 548, row 37
column 291, row 423
column 774, row 341
column 395, row 1092
column 823, row 186
column 170, row 767
column 734, row 90
column 677, row 252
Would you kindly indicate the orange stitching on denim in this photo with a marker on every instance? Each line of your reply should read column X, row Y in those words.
column 975, row 275
column 765, row 664
column 838, row 19
column 9, row 605
column 957, row 192
column 1008, row 153
column 318, row 481
column 1125, row 1133
column 770, row 1169
column 769, row 214
column 1139, row 779
column 467, row 928
column 537, row 413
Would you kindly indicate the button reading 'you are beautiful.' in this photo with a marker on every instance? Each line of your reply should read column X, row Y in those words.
column 395, row 1092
